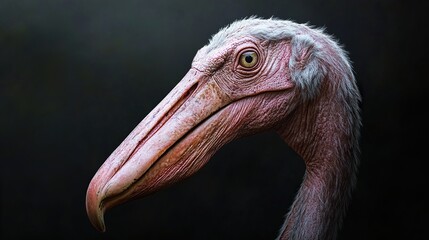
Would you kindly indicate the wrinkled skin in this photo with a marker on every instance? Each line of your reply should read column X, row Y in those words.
column 217, row 101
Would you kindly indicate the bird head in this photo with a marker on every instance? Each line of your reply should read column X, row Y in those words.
column 249, row 78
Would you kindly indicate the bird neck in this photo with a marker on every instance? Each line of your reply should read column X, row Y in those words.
column 319, row 131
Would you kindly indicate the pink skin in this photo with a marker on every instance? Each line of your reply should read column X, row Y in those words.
column 217, row 101
column 202, row 113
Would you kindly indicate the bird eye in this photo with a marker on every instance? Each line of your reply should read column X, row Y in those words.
column 248, row 59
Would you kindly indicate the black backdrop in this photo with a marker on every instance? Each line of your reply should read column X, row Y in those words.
column 77, row 76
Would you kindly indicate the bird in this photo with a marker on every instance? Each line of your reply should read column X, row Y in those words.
column 254, row 75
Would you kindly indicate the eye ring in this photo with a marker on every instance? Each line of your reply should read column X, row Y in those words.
column 249, row 59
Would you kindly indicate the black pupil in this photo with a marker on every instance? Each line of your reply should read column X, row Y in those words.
column 248, row 59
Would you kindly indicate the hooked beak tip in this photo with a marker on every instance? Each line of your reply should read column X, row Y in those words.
column 95, row 210
column 97, row 221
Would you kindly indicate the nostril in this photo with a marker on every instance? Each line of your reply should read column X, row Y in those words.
column 186, row 95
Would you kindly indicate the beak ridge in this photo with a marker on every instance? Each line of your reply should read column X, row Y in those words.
column 120, row 178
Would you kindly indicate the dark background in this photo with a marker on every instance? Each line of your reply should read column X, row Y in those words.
column 77, row 76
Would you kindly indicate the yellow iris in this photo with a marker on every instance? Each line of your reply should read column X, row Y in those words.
column 248, row 59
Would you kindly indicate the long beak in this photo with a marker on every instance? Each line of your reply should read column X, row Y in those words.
column 171, row 143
